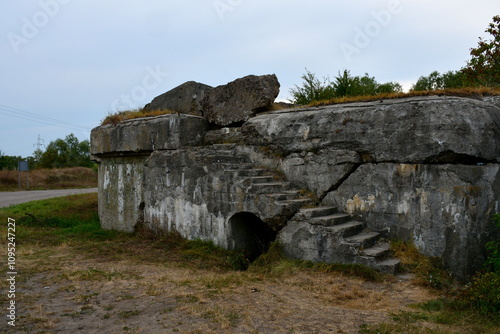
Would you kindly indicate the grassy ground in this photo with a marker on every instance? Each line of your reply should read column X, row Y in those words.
column 41, row 179
column 75, row 277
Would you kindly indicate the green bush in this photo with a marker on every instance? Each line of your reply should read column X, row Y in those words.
column 483, row 294
column 344, row 85
column 493, row 249
column 312, row 89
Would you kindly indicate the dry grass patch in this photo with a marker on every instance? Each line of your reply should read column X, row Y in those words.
column 133, row 114
column 57, row 178
column 472, row 92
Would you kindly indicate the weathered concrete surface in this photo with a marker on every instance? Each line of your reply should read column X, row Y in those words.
column 319, row 171
column 322, row 234
column 144, row 135
column 493, row 100
column 241, row 99
column 428, row 129
column 184, row 99
column 121, row 192
column 422, row 169
column 196, row 192
column 445, row 209
column 359, row 158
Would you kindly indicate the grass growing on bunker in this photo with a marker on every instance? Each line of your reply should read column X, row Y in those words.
column 471, row 92
column 115, row 118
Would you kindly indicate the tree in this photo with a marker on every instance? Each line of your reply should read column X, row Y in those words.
column 9, row 162
column 483, row 68
column 312, row 89
column 66, row 153
column 344, row 85
column 431, row 82
column 435, row 81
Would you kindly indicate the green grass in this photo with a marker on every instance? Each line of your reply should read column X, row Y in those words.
column 58, row 220
column 436, row 317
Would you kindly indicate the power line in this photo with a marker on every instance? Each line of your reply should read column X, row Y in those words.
column 26, row 115
column 33, row 115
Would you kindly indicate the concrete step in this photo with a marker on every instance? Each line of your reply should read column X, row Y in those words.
column 331, row 220
column 229, row 159
column 249, row 172
column 319, row 211
column 224, row 147
column 260, row 179
column 269, row 188
column 347, row 229
column 378, row 251
column 388, row 266
column 235, row 166
column 286, row 195
column 365, row 239
column 296, row 202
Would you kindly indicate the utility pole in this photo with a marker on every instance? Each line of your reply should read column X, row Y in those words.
column 38, row 151
column 39, row 143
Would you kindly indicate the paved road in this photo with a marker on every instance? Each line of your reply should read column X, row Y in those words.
column 18, row 197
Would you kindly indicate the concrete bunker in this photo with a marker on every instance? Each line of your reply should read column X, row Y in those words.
column 250, row 234
column 422, row 169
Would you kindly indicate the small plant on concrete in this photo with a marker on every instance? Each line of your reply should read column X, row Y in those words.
column 493, row 248
column 483, row 292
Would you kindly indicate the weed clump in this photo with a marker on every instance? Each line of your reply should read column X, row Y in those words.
column 429, row 271
column 483, row 291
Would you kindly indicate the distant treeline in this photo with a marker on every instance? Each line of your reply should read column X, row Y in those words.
column 60, row 153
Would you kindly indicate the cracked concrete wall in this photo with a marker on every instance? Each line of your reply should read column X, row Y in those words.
column 424, row 169
column 196, row 191
column 417, row 130
column 446, row 210
column 319, row 171
column 420, row 169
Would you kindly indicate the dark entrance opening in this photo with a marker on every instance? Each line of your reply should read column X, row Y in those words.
column 250, row 234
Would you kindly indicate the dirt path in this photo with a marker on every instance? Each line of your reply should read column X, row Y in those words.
column 9, row 198
column 71, row 293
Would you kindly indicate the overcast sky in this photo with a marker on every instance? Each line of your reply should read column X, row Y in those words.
column 66, row 64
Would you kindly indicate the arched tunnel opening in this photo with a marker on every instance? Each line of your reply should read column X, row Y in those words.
column 250, row 234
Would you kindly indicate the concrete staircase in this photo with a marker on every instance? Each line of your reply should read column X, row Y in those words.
column 349, row 239
column 353, row 241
